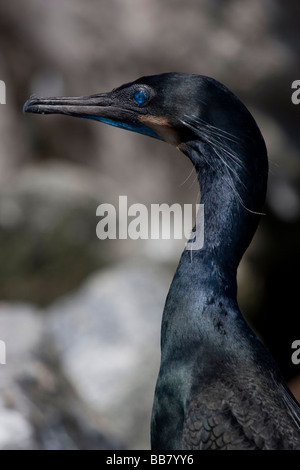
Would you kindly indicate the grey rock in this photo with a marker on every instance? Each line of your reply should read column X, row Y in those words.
column 39, row 408
column 107, row 335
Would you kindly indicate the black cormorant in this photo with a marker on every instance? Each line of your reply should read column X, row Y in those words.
column 218, row 386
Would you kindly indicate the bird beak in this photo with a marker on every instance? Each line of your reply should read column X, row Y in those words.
column 101, row 107
column 81, row 106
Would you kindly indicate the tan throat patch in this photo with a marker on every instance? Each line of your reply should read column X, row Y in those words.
column 162, row 127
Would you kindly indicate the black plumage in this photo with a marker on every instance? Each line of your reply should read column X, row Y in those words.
column 218, row 386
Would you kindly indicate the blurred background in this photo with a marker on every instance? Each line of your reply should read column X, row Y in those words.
column 81, row 317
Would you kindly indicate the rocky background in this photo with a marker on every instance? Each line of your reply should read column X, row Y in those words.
column 81, row 317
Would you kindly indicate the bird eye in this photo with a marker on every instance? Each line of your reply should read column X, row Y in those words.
column 140, row 97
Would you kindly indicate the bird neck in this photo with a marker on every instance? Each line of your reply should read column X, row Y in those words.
column 232, row 207
column 204, row 285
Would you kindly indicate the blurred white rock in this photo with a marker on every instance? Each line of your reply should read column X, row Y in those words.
column 108, row 338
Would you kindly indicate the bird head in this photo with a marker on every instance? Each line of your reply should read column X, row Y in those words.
column 203, row 119
column 144, row 106
column 173, row 107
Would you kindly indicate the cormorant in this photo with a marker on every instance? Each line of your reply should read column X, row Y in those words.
column 218, row 386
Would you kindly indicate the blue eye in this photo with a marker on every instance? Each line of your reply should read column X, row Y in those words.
column 140, row 97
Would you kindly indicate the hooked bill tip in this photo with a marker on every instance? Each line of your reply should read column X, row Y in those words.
column 31, row 105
